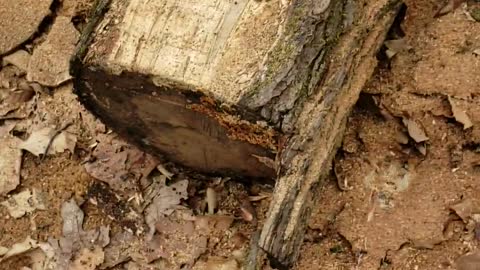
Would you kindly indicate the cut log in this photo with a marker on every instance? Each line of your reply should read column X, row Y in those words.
column 307, row 156
column 246, row 87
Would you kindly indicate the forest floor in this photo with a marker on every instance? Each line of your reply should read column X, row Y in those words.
column 403, row 192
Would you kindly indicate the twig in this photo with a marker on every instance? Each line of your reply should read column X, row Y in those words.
column 57, row 132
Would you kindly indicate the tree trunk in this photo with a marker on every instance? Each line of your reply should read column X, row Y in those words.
column 247, row 87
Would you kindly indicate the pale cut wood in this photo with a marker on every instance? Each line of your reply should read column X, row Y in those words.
column 199, row 80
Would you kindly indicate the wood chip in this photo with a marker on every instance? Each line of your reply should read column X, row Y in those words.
column 211, row 198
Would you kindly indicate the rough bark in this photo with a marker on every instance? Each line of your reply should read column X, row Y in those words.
column 307, row 156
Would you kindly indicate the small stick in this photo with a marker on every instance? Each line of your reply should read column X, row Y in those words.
column 57, row 132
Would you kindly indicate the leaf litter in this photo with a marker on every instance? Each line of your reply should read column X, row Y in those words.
column 25, row 202
column 119, row 164
column 48, row 139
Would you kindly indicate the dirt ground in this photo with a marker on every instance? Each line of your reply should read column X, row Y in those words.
column 403, row 193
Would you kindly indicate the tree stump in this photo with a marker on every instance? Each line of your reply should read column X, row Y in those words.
column 248, row 88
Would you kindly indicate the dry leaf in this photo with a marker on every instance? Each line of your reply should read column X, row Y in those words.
column 75, row 240
column 38, row 142
column 19, row 248
column 10, row 164
column 19, row 59
column 415, row 131
column 50, row 62
column 119, row 164
column 178, row 242
column 166, row 201
column 24, row 202
column 20, row 20
column 460, row 114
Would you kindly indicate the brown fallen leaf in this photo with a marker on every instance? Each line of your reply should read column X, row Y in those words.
column 119, row 164
column 50, row 62
column 75, row 240
column 415, row 131
column 24, row 202
column 20, row 20
column 178, row 242
column 39, row 140
column 19, row 59
column 460, row 114
column 10, row 163
column 165, row 202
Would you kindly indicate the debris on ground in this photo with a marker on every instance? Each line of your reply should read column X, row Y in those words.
column 10, row 164
column 166, row 200
column 25, row 202
column 119, row 164
column 19, row 58
column 49, row 141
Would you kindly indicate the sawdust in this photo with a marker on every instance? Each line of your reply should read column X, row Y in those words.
column 405, row 205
